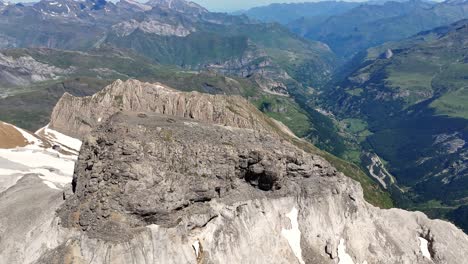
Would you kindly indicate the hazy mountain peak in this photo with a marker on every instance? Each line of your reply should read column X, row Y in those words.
column 456, row 2
column 178, row 5
column 134, row 5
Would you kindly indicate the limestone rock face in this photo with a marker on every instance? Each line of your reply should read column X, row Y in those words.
column 150, row 188
column 166, row 165
column 25, row 70
column 256, row 64
column 182, row 6
column 77, row 116
column 151, row 26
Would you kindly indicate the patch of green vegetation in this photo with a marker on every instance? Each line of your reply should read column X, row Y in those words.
column 354, row 125
column 355, row 92
column 453, row 104
column 31, row 108
column 412, row 86
column 407, row 81
column 195, row 49
column 286, row 111
column 429, row 204
column 352, row 155
column 167, row 135
column 119, row 100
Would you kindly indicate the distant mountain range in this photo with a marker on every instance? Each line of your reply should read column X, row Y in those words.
column 287, row 13
column 168, row 32
column 349, row 28
column 177, row 34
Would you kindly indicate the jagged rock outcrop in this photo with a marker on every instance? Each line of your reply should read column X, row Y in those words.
column 152, row 188
column 25, row 70
column 256, row 64
column 184, row 163
column 182, row 6
column 77, row 116
column 151, row 26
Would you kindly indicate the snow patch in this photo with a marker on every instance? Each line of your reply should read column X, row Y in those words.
column 51, row 176
column 424, row 246
column 293, row 235
column 32, row 140
column 153, row 227
column 7, row 172
column 53, row 169
column 50, row 185
column 58, row 138
column 38, row 159
column 343, row 257
column 196, row 248
column 139, row 5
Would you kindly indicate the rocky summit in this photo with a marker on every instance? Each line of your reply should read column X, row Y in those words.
column 151, row 188
column 172, row 177
column 78, row 115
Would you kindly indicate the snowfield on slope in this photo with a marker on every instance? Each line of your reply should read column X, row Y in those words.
column 49, row 154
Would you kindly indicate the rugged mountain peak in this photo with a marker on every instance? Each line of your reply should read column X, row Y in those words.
column 73, row 9
column 65, row 8
column 24, row 70
column 151, row 26
column 134, row 5
column 182, row 6
column 149, row 185
column 77, row 116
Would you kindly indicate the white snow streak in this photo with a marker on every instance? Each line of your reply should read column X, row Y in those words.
column 38, row 159
column 29, row 137
column 343, row 257
column 50, row 167
column 7, row 172
column 196, row 247
column 60, row 139
column 423, row 244
column 50, row 185
column 294, row 235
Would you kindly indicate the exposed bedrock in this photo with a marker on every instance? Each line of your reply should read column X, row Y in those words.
column 150, row 188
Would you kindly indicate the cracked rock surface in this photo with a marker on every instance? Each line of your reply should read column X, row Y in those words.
column 161, row 189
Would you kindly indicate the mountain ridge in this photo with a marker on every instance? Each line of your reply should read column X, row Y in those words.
column 355, row 30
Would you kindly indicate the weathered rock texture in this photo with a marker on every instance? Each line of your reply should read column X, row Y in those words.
column 76, row 116
column 151, row 26
column 256, row 64
column 26, row 70
column 150, row 188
